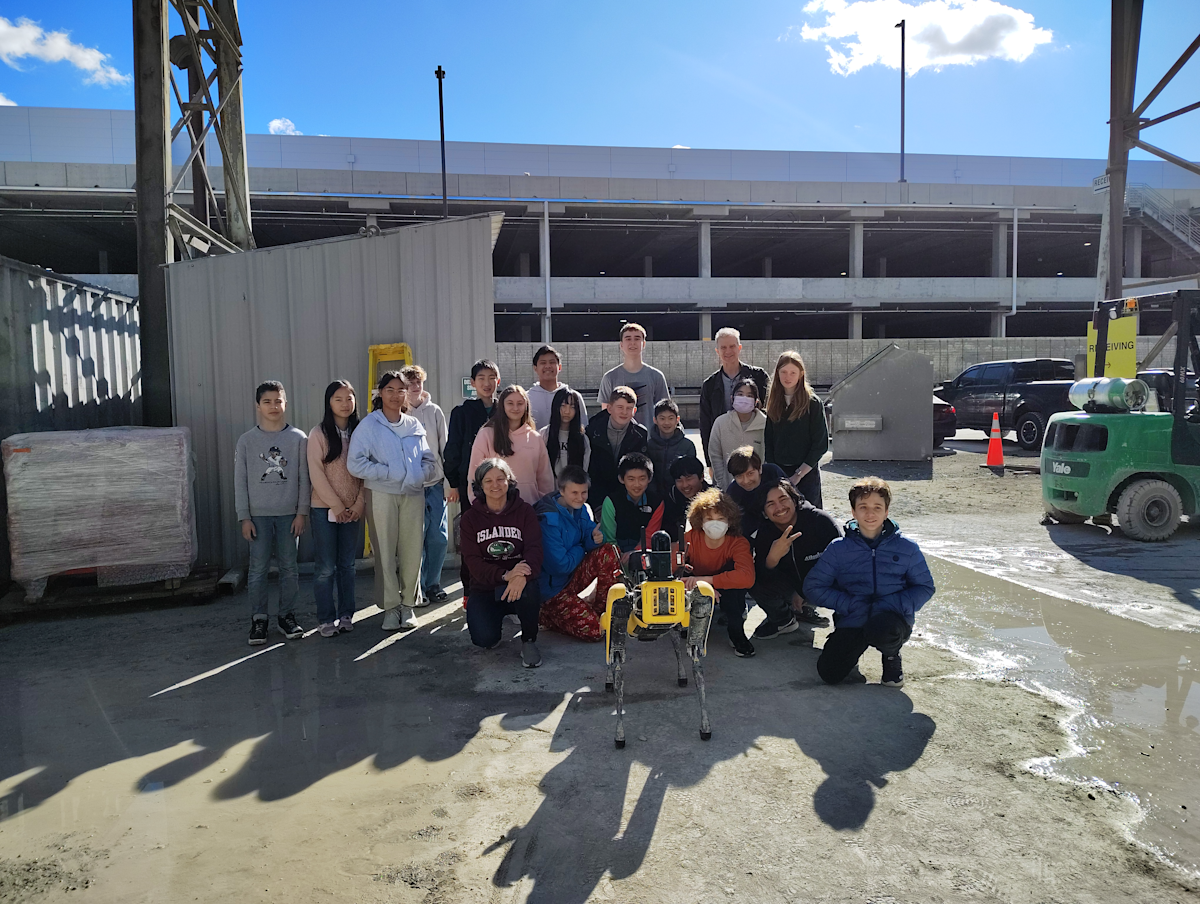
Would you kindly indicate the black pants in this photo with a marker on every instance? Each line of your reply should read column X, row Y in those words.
column 810, row 488
column 775, row 599
column 885, row 631
column 733, row 606
column 486, row 611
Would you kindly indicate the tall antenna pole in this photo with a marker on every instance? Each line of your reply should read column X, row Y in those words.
column 900, row 25
column 441, row 74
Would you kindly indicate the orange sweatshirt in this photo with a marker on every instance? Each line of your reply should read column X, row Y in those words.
column 735, row 552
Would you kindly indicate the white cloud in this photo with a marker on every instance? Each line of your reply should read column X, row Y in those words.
column 5, row 102
column 861, row 33
column 283, row 126
column 686, row 147
column 26, row 38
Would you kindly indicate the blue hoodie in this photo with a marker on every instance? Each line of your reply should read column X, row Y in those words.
column 857, row 578
column 566, row 539
column 391, row 458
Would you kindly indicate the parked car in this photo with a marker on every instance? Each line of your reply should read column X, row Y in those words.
column 1024, row 392
column 1161, row 382
column 945, row 424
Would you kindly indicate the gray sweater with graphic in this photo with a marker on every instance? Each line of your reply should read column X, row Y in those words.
column 270, row 473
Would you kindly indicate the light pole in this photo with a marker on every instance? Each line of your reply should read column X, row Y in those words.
column 900, row 25
column 441, row 74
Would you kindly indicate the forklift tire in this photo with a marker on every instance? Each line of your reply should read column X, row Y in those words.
column 1149, row 510
column 1031, row 428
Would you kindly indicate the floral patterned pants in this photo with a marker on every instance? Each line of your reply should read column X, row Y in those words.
column 566, row 613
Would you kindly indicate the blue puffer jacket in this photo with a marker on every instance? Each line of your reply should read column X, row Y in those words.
column 856, row 581
column 566, row 538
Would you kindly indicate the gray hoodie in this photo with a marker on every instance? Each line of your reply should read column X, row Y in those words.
column 434, row 421
column 270, row 473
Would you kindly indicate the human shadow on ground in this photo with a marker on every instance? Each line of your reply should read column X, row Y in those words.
column 76, row 696
column 585, row 829
column 1170, row 563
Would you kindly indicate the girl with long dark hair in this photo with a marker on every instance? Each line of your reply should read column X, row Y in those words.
column 566, row 443
column 510, row 435
column 796, row 435
column 338, row 504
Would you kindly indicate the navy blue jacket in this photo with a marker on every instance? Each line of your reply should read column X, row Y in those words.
column 857, row 581
column 566, row 539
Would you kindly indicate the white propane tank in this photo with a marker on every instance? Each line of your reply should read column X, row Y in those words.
column 1115, row 393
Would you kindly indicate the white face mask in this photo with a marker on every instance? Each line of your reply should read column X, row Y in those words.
column 715, row 530
column 743, row 404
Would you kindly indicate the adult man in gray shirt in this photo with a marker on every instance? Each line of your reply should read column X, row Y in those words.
column 647, row 382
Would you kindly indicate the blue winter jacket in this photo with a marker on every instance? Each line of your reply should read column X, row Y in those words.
column 856, row 581
column 391, row 459
column 566, row 538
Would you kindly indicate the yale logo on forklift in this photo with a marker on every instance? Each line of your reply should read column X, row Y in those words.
column 1069, row 468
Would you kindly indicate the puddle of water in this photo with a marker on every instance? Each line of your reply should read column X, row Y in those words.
column 1135, row 723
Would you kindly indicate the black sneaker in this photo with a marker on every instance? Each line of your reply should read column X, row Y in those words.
column 742, row 648
column 766, row 630
column 855, row 677
column 288, row 626
column 258, row 632
column 437, row 594
column 811, row 616
column 893, row 671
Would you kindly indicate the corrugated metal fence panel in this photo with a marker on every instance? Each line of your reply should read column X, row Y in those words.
column 306, row 314
column 70, row 359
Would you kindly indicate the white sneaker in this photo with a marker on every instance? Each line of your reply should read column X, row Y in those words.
column 391, row 620
column 409, row 619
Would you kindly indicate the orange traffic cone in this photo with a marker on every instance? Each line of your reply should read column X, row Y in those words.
column 995, row 457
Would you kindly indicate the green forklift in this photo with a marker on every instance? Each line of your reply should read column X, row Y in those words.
column 1132, row 450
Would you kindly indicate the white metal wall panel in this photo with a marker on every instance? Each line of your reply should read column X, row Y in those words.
column 817, row 166
column 385, row 155
column 306, row 314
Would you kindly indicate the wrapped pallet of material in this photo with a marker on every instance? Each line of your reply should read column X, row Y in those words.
column 117, row 500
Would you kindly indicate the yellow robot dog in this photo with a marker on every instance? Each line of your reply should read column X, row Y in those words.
column 657, row 605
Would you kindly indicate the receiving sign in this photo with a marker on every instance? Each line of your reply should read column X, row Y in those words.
column 1121, row 358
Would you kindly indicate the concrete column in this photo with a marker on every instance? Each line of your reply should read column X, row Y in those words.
column 855, row 270
column 544, row 267
column 103, row 261
column 705, row 325
column 767, row 267
column 999, row 250
column 999, row 324
column 767, row 329
column 523, row 264
column 648, row 266
column 882, row 267
column 1133, row 251
column 855, row 329
column 705, row 248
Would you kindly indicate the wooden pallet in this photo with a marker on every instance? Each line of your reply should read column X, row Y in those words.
column 199, row 586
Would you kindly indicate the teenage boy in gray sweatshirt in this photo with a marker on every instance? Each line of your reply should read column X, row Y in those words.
column 272, row 496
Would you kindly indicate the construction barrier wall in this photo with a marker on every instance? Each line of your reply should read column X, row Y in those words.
column 70, row 359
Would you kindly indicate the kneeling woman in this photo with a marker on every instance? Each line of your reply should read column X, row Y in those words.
column 718, row 554
column 502, row 547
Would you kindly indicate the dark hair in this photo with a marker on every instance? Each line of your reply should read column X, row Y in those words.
column 481, row 471
column 546, row 350
column 747, row 381
column 387, row 377
column 688, row 464
column 484, row 364
column 867, row 486
column 268, row 386
column 574, row 429
column 665, row 405
column 743, row 459
column 788, row 487
column 635, row 461
column 333, row 437
column 501, row 441
column 573, row 474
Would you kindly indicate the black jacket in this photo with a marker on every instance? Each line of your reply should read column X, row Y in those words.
column 712, row 398
column 603, row 466
column 817, row 530
column 675, row 508
column 465, row 421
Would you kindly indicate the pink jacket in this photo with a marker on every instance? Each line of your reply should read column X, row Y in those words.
column 332, row 484
column 530, row 461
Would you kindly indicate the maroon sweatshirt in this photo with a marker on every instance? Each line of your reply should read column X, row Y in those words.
column 493, row 542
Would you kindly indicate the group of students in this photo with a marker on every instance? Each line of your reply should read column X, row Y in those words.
column 552, row 502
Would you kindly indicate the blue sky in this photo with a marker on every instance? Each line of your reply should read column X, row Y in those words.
column 700, row 74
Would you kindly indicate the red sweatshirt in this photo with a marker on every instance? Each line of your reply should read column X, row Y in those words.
column 731, row 564
column 493, row 542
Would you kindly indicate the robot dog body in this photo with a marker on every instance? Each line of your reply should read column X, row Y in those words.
column 657, row 605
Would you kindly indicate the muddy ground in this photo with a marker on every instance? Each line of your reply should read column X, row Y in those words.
column 415, row 768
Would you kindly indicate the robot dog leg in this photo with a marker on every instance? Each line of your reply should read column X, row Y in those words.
column 700, row 610
column 615, row 623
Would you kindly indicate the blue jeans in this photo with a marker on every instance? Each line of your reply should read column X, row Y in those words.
column 273, row 534
column 436, row 537
column 335, row 547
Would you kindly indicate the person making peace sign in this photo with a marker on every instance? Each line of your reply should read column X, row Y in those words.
column 786, row 547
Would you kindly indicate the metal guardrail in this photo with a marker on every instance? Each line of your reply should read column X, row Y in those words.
column 1142, row 197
